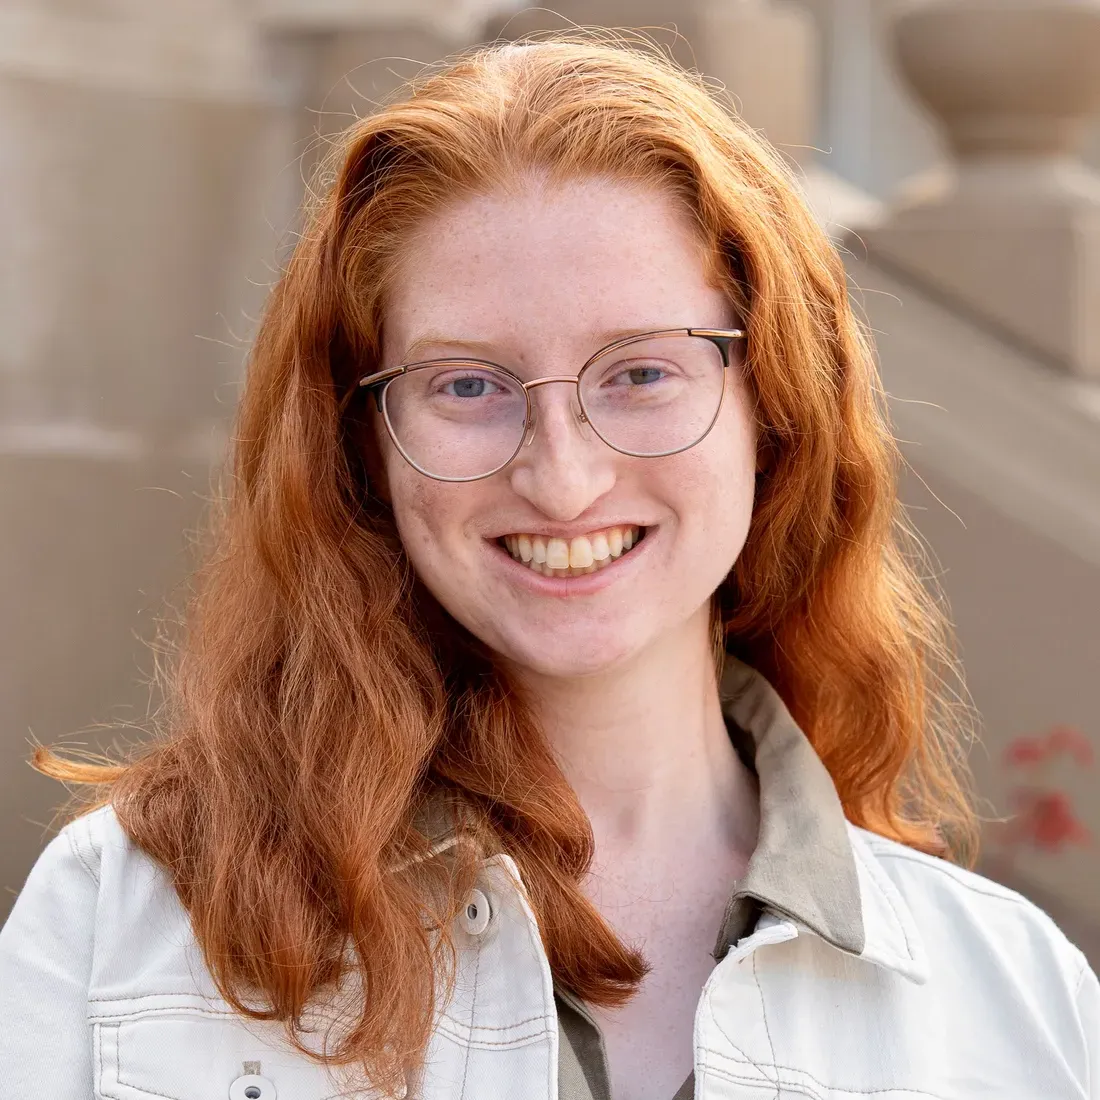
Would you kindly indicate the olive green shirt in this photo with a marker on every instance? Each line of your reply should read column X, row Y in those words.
column 802, row 866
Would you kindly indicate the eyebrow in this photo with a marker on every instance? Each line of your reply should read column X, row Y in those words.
column 484, row 349
column 416, row 349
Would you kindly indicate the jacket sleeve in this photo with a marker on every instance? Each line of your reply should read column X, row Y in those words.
column 1088, row 1004
column 45, row 967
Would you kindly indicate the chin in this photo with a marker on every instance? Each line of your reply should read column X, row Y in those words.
column 571, row 657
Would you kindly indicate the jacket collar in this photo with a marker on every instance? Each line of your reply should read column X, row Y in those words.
column 892, row 939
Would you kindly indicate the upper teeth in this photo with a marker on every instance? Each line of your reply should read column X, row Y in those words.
column 584, row 554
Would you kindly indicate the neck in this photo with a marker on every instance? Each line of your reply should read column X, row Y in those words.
column 646, row 749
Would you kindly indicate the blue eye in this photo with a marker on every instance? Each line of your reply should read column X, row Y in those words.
column 636, row 377
column 641, row 376
column 470, row 387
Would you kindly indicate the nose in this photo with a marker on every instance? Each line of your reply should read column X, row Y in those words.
column 564, row 467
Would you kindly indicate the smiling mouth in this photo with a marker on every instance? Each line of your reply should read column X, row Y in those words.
column 572, row 557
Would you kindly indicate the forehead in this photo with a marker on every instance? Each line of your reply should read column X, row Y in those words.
column 560, row 263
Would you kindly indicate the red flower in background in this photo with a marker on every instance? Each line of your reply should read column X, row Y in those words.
column 1043, row 815
column 1061, row 740
column 1045, row 819
column 1025, row 751
column 1072, row 741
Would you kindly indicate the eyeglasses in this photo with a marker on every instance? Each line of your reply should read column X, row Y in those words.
column 648, row 396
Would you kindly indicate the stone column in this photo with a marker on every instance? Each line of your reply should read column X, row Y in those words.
column 1012, row 234
column 126, row 150
column 333, row 61
column 871, row 131
column 135, row 159
column 767, row 56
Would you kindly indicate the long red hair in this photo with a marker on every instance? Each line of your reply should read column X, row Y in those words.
column 320, row 698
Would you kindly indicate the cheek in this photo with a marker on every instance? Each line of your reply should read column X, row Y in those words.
column 729, row 451
column 420, row 515
column 432, row 519
column 716, row 487
column 718, row 500
column 408, row 492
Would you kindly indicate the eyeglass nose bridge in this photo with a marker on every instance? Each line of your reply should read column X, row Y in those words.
column 532, row 411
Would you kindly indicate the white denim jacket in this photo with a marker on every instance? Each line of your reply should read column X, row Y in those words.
column 954, row 988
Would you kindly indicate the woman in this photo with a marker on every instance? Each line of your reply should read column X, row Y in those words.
column 559, row 411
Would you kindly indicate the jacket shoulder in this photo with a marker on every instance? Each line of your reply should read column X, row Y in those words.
column 120, row 869
column 95, row 838
column 144, row 941
column 953, row 905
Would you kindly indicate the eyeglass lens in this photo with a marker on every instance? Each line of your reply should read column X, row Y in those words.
column 650, row 397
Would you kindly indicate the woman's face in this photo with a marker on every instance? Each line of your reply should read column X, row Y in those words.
column 537, row 281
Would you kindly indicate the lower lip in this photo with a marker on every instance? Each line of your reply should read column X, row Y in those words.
column 586, row 584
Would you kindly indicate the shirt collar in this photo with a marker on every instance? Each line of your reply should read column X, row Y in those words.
column 810, row 864
column 803, row 866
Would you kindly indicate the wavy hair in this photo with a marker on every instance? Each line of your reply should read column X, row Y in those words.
column 320, row 701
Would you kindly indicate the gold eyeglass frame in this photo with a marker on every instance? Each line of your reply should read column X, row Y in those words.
column 378, row 381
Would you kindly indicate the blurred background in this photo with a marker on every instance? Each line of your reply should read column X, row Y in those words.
column 152, row 160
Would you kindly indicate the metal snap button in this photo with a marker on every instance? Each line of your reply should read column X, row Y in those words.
column 251, row 1086
column 474, row 917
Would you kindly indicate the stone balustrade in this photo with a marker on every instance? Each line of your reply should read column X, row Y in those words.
column 1011, row 234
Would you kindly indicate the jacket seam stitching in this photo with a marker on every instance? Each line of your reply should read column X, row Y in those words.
column 1009, row 897
column 771, row 1079
column 473, row 1012
column 75, row 848
column 165, row 993
column 552, row 1032
column 153, row 1014
column 522, row 1041
column 534, row 940
column 143, row 997
column 767, row 1028
column 97, row 1045
column 821, row 1084
column 746, row 1079
column 229, row 1013
column 518, row 1023
column 1081, row 978
column 872, row 870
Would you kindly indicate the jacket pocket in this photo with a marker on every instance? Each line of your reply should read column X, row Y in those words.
column 186, row 1047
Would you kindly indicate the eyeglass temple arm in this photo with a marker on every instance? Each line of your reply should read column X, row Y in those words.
column 374, row 382
column 722, row 338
